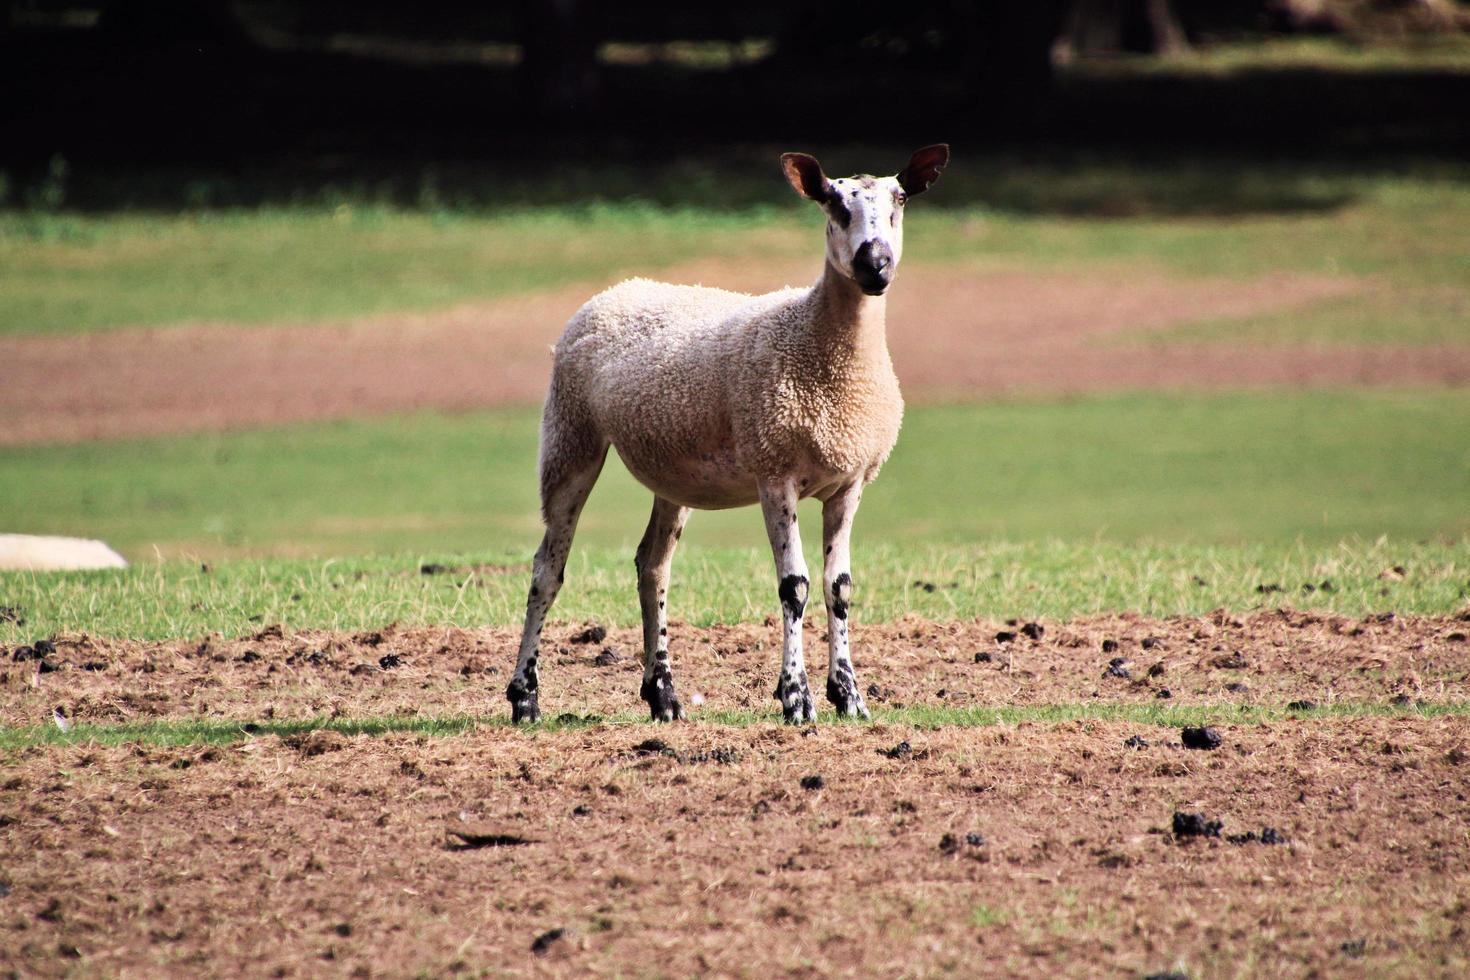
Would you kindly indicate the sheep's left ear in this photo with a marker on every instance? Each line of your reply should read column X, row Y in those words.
column 923, row 169
column 804, row 173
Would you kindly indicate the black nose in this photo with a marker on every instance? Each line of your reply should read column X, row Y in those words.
column 872, row 266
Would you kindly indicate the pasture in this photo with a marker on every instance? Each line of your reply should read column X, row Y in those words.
column 1216, row 477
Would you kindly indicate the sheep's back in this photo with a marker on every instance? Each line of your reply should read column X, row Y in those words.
column 642, row 344
column 653, row 363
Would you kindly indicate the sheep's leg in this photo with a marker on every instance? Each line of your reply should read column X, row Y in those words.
column 561, row 505
column 655, row 554
column 837, row 515
column 778, row 503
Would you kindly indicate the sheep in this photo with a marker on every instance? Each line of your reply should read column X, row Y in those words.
column 717, row 399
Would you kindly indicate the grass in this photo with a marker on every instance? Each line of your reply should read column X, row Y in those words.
column 210, row 732
column 985, row 916
column 1028, row 508
column 1315, row 466
column 1054, row 580
column 335, row 252
column 77, row 273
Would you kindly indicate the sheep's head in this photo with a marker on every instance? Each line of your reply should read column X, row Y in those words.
column 864, row 213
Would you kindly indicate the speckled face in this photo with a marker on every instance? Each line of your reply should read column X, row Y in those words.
column 865, row 214
column 865, row 229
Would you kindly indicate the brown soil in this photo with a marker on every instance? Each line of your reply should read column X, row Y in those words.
column 334, row 856
column 955, row 330
column 714, row 850
column 1270, row 658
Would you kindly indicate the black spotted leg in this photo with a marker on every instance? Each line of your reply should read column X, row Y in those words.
column 655, row 554
column 837, row 515
column 778, row 504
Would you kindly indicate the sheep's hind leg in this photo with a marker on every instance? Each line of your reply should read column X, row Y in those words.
column 561, row 505
column 778, row 504
column 655, row 554
column 837, row 515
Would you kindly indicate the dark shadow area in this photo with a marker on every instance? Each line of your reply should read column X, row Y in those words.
column 161, row 115
column 1345, row 112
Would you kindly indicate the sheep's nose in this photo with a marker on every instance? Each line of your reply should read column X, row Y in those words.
column 872, row 266
column 873, row 255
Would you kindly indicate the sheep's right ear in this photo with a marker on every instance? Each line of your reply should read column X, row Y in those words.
column 804, row 174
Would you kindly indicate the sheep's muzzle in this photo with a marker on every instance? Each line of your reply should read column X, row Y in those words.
column 872, row 267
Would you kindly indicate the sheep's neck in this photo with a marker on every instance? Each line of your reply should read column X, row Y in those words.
column 847, row 319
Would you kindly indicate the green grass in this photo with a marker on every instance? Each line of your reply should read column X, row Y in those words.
column 1053, row 580
column 193, row 732
column 1315, row 466
column 1055, row 508
column 1409, row 230
column 342, row 252
column 74, row 273
column 985, row 916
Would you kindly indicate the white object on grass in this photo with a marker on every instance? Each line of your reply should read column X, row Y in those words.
column 45, row 553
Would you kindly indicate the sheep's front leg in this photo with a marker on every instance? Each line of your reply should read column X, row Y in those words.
column 778, row 503
column 837, row 515
column 655, row 553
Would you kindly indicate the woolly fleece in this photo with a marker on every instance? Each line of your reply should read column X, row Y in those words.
column 706, row 392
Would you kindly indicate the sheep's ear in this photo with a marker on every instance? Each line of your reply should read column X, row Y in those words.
column 923, row 169
column 804, row 173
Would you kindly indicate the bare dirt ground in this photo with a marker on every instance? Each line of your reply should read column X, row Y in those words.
column 955, row 331
column 1270, row 658
column 883, row 849
column 764, row 851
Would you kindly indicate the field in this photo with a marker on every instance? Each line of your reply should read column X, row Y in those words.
column 1188, row 444
column 1013, row 804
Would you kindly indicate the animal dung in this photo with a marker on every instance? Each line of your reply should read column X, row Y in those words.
column 1203, row 737
column 1187, row 825
column 594, row 633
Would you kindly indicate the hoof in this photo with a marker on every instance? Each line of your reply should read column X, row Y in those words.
column 658, row 691
column 842, row 691
column 523, row 706
column 796, row 699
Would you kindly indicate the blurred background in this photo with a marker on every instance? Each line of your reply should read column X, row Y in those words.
column 174, row 103
column 278, row 278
